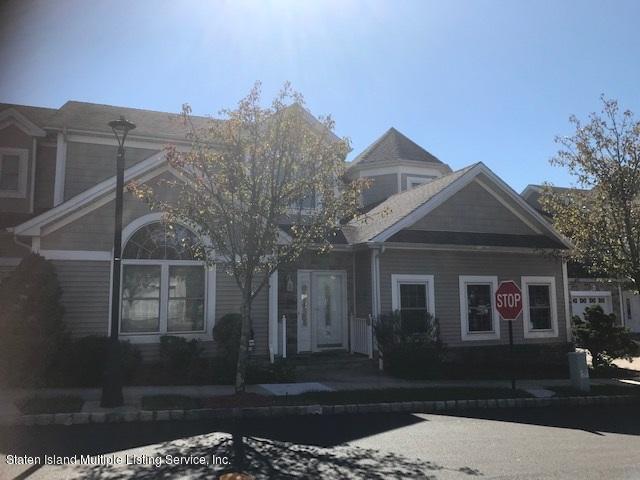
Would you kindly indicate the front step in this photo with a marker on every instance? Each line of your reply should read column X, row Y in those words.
column 334, row 358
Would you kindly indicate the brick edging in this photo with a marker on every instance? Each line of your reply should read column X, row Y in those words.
column 279, row 411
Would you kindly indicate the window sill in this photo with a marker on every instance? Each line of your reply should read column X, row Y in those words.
column 540, row 333
column 472, row 336
column 155, row 337
column 12, row 194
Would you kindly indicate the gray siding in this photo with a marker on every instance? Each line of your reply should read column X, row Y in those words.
column 88, row 164
column 473, row 209
column 5, row 271
column 447, row 266
column 382, row 187
column 85, row 296
column 363, row 282
column 229, row 300
column 94, row 231
column 45, row 178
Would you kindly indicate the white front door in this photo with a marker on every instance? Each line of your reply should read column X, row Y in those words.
column 322, row 310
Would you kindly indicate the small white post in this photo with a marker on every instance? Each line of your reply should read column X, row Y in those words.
column 284, row 336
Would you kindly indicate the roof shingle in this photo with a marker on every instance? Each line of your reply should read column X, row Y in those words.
column 394, row 146
column 365, row 227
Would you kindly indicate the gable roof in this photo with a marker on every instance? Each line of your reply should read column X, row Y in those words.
column 393, row 146
column 402, row 210
column 388, row 213
column 94, row 117
column 38, row 115
column 93, row 195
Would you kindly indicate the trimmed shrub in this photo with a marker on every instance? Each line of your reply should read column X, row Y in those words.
column 178, row 353
column 605, row 341
column 495, row 362
column 181, row 359
column 226, row 334
column 33, row 333
column 87, row 359
column 410, row 348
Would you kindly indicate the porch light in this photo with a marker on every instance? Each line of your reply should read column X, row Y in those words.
column 121, row 128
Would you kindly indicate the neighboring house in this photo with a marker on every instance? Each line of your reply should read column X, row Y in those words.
column 587, row 289
column 434, row 240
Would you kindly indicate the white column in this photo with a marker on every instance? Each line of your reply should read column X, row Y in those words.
column 273, row 315
column 61, row 160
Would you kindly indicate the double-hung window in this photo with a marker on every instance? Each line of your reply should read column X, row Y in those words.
column 540, row 314
column 164, row 282
column 413, row 297
column 13, row 172
column 478, row 315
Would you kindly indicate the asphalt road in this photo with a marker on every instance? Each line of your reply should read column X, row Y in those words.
column 582, row 443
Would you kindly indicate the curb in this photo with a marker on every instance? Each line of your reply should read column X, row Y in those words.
column 81, row 418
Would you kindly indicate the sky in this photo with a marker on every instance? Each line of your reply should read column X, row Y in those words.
column 479, row 80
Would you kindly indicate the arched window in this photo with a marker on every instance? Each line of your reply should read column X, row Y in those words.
column 163, row 281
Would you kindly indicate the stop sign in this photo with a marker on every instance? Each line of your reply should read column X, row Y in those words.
column 509, row 300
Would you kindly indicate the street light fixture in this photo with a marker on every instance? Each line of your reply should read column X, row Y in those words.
column 112, row 386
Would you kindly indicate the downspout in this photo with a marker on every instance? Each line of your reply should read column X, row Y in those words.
column 17, row 241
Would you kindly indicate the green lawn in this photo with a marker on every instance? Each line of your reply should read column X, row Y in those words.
column 58, row 404
column 170, row 402
column 387, row 395
column 597, row 390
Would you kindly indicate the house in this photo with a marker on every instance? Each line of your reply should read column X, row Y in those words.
column 435, row 240
column 586, row 288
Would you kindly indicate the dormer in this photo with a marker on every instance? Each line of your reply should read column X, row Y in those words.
column 394, row 163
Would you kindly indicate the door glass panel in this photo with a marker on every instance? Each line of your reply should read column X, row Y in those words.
column 328, row 309
column 304, row 312
column 140, row 298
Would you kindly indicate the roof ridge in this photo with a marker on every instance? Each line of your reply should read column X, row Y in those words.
column 79, row 102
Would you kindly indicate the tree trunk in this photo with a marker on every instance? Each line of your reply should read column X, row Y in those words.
column 243, row 351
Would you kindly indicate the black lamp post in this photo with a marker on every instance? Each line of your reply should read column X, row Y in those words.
column 112, row 386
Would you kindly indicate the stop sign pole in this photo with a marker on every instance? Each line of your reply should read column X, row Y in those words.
column 509, row 306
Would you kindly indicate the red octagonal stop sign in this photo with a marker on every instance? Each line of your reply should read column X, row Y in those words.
column 509, row 300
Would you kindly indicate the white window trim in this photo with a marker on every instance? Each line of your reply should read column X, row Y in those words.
column 23, row 166
column 209, row 302
column 397, row 280
column 463, row 281
column 526, row 314
column 209, row 288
